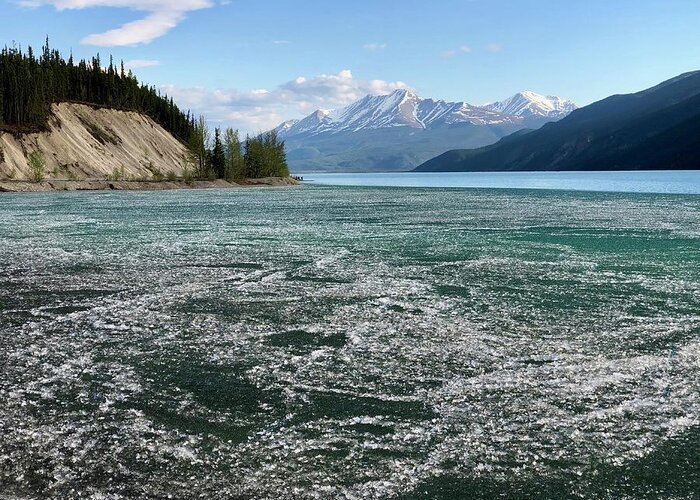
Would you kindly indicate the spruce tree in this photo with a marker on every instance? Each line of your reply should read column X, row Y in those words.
column 29, row 85
column 218, row 155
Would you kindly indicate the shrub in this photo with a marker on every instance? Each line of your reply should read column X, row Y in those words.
column 117, row 174
column 187, row 175
column 37, row 166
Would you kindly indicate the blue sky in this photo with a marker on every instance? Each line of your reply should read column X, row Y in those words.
column 252, row 63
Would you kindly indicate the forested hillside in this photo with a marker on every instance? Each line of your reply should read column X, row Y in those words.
column 30, row 83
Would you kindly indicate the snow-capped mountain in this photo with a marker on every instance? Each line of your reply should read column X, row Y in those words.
column 403, row 108
column 401, row 130
column 531, row 105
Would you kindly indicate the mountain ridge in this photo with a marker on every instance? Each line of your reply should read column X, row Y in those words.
column 656, row 128
column 404, row 107
column 401, row 130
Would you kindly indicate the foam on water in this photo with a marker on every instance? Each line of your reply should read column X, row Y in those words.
column 349, row 342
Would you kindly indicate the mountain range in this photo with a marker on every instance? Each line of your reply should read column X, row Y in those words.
column 401, row 130
column 656, row 129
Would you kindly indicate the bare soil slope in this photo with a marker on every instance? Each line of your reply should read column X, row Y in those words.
column 88, row 143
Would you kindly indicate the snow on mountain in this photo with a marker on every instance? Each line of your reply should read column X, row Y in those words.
column 531, row 105
column 285, row 126
column 403, row 108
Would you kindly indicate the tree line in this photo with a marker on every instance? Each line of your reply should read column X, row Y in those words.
column 30, row 83
column 224, row 156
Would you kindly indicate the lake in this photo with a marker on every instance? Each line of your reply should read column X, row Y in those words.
column 679, row 182
column 351, row 342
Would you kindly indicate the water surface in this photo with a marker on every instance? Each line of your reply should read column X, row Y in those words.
column 350, row 342
column 671, row 182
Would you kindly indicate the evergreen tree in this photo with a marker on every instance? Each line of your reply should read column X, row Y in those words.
column 218, row 156
column 29, row 85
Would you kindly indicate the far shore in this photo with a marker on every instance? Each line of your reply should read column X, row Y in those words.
column 9, row 186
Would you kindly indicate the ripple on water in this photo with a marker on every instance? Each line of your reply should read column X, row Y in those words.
column 350, row 342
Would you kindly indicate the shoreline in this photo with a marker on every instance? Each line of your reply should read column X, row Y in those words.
column 49, row 186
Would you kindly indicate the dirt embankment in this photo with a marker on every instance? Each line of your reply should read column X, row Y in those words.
column 83, row 143
column 93, row 148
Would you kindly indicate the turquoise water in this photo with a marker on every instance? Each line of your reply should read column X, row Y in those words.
column 350, row 342
column 670, row 182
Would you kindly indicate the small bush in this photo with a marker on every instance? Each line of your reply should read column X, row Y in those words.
column 171, row 176
column 37, row 166
column 117, row 174
column 188, row 175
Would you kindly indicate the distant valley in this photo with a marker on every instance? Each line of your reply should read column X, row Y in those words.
column 402, row 130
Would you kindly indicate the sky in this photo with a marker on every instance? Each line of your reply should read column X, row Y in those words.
column 251, row 64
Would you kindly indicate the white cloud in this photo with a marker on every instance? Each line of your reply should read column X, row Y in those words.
column 141, row 63
column 163, row 15
column 262, row 109
column 493, row 48
column 451, row 53
column 375, row 46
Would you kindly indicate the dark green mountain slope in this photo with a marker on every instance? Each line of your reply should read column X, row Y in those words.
column 656, row 129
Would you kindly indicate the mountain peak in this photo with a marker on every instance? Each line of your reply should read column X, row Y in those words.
column 404, row 108
column 528, row 104
column 404, row 93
